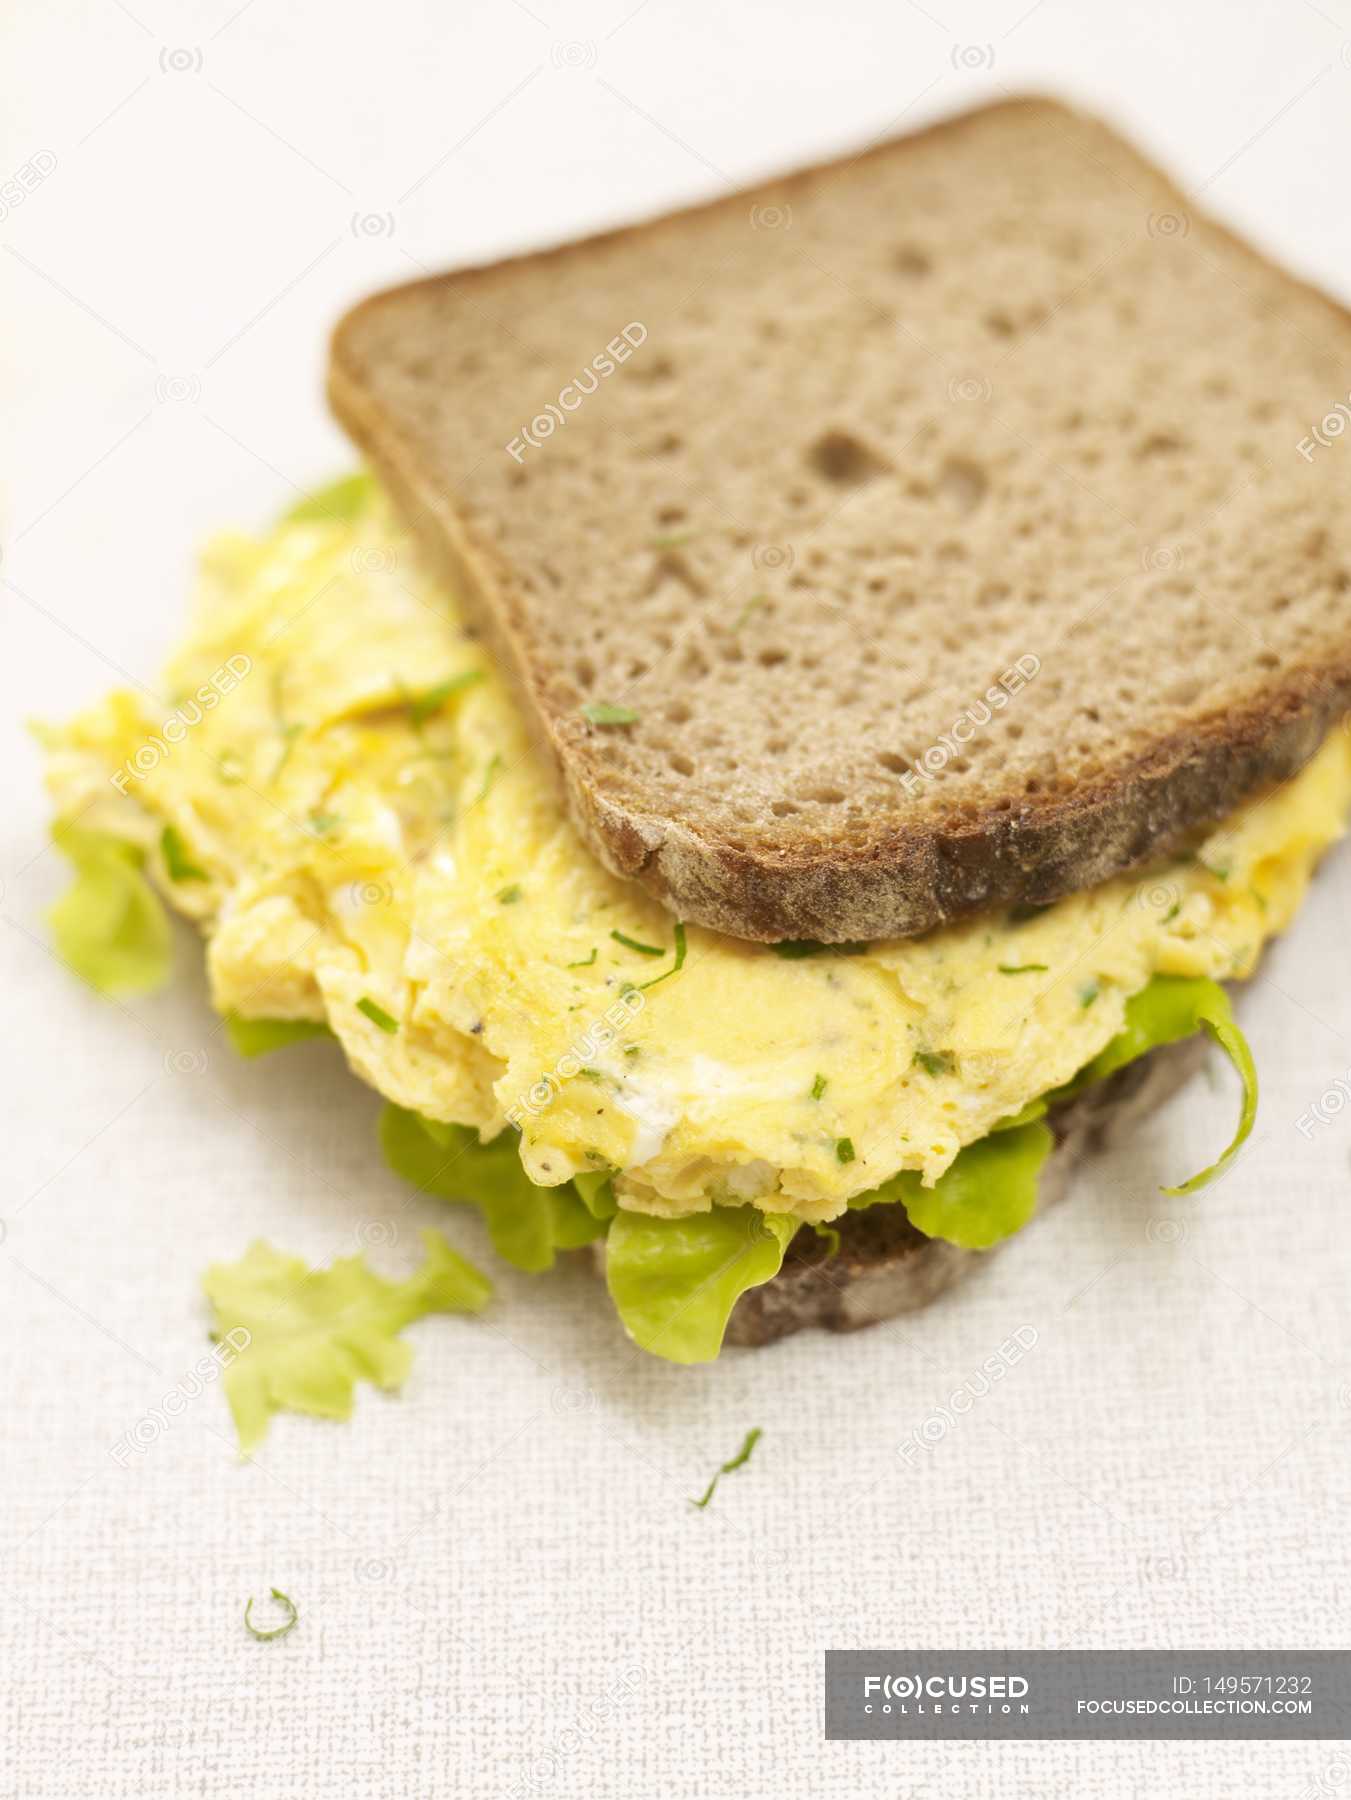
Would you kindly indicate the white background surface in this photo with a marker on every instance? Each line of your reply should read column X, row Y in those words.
column 478, row 1562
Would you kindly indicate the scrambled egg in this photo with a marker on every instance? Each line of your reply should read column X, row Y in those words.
column 361, row 828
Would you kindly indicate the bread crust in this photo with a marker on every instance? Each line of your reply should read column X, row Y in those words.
column 922, row 878
column 917, row 875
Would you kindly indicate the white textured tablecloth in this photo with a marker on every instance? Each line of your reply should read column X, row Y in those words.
column 502, row 1589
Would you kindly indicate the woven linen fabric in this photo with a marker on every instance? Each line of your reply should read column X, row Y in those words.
column 502, row 1585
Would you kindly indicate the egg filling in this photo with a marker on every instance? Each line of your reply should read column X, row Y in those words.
column 340, row 791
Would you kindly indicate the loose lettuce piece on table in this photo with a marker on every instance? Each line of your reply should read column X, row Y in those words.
column 256, row 1037
column 986, row 1194
column 1173, row 1007
column 526, row 1223
column 312, row 1334
column 674, row 1282
column 110, row 925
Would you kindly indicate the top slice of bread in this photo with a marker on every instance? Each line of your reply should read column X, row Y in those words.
column 963, row 521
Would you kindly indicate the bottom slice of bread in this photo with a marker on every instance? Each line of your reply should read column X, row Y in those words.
column 884, row 1266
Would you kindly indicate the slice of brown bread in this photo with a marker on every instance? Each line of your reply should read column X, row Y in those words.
column 940, row 514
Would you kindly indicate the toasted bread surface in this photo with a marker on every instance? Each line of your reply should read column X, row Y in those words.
column 944, row 527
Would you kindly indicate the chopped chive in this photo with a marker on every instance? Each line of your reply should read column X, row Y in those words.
column 742, row 1456
column 322, row 823
column 489, row 776
column 1172, row 912
column 1028, row 909
column 289, row 731
column 278, row 1631
column 844, row 1149
column 377, row 1015
column 830, row 1234
column 605, row 712
column 289, row 734
column 633, row 944
column 230, row 767
column 422, row 704
column 934, row 1062
column 676, row 966
column 1022, row 968
column 818, row 1087
column 1088, row 993
column 176, row 859
column 586, row 961
column 508, row 896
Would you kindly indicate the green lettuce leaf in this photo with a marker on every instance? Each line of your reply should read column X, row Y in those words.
column 526, row 1223
column 986, row 1194
column 110, row 925
column 304, row 1337
column 1170, row 1008
column 597, row 1194
column 256, row 1037
column 346, row 498
column 674, row 1282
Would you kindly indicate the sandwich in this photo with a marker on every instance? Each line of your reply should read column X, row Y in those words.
column 788, row 738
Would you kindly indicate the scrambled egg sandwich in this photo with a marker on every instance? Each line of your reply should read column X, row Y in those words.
column 346, row 801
